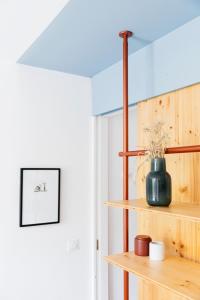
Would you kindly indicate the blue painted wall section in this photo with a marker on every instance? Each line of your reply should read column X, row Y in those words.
column 170, row 63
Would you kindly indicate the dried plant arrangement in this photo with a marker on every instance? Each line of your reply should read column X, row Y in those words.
column 157, row 140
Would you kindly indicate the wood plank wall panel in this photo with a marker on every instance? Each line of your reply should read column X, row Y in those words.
column 153, row 293
column 180, row 112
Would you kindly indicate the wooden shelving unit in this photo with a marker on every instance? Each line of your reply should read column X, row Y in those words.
column 176, row 274
column 179, row 210
column 179, row 110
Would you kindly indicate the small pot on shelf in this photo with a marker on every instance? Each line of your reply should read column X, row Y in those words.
column 158, row 183
column 141, row 245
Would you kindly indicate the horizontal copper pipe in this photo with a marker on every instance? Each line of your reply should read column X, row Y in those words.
column 172, row 150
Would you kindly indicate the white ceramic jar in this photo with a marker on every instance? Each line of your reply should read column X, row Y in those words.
column 156, row 251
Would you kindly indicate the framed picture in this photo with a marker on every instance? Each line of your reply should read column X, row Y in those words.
column 39, row 196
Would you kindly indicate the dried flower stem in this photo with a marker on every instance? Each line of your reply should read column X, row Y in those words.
column 157, row 140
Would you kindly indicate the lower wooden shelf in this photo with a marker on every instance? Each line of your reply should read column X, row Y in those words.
column 176, row 274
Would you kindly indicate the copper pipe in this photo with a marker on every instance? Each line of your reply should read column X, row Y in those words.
column 125, row 35
column 171, row 150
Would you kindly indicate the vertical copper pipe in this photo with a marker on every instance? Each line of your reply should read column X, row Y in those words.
column 125, row 35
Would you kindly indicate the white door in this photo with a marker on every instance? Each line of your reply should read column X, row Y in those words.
column 109, row 228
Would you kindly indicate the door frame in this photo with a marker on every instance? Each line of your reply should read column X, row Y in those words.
column 99, row 181
column 102, row 132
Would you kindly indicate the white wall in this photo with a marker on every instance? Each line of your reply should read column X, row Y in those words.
column 44, row 122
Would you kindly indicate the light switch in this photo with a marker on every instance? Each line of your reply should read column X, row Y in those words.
column 73, row 245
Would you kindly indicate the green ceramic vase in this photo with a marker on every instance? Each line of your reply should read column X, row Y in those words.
column 158, row 184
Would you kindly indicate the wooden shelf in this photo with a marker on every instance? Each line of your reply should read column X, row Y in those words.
column 180, row 210
column 176, row 274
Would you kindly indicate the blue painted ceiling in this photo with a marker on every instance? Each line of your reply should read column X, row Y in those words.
column 83, row 38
